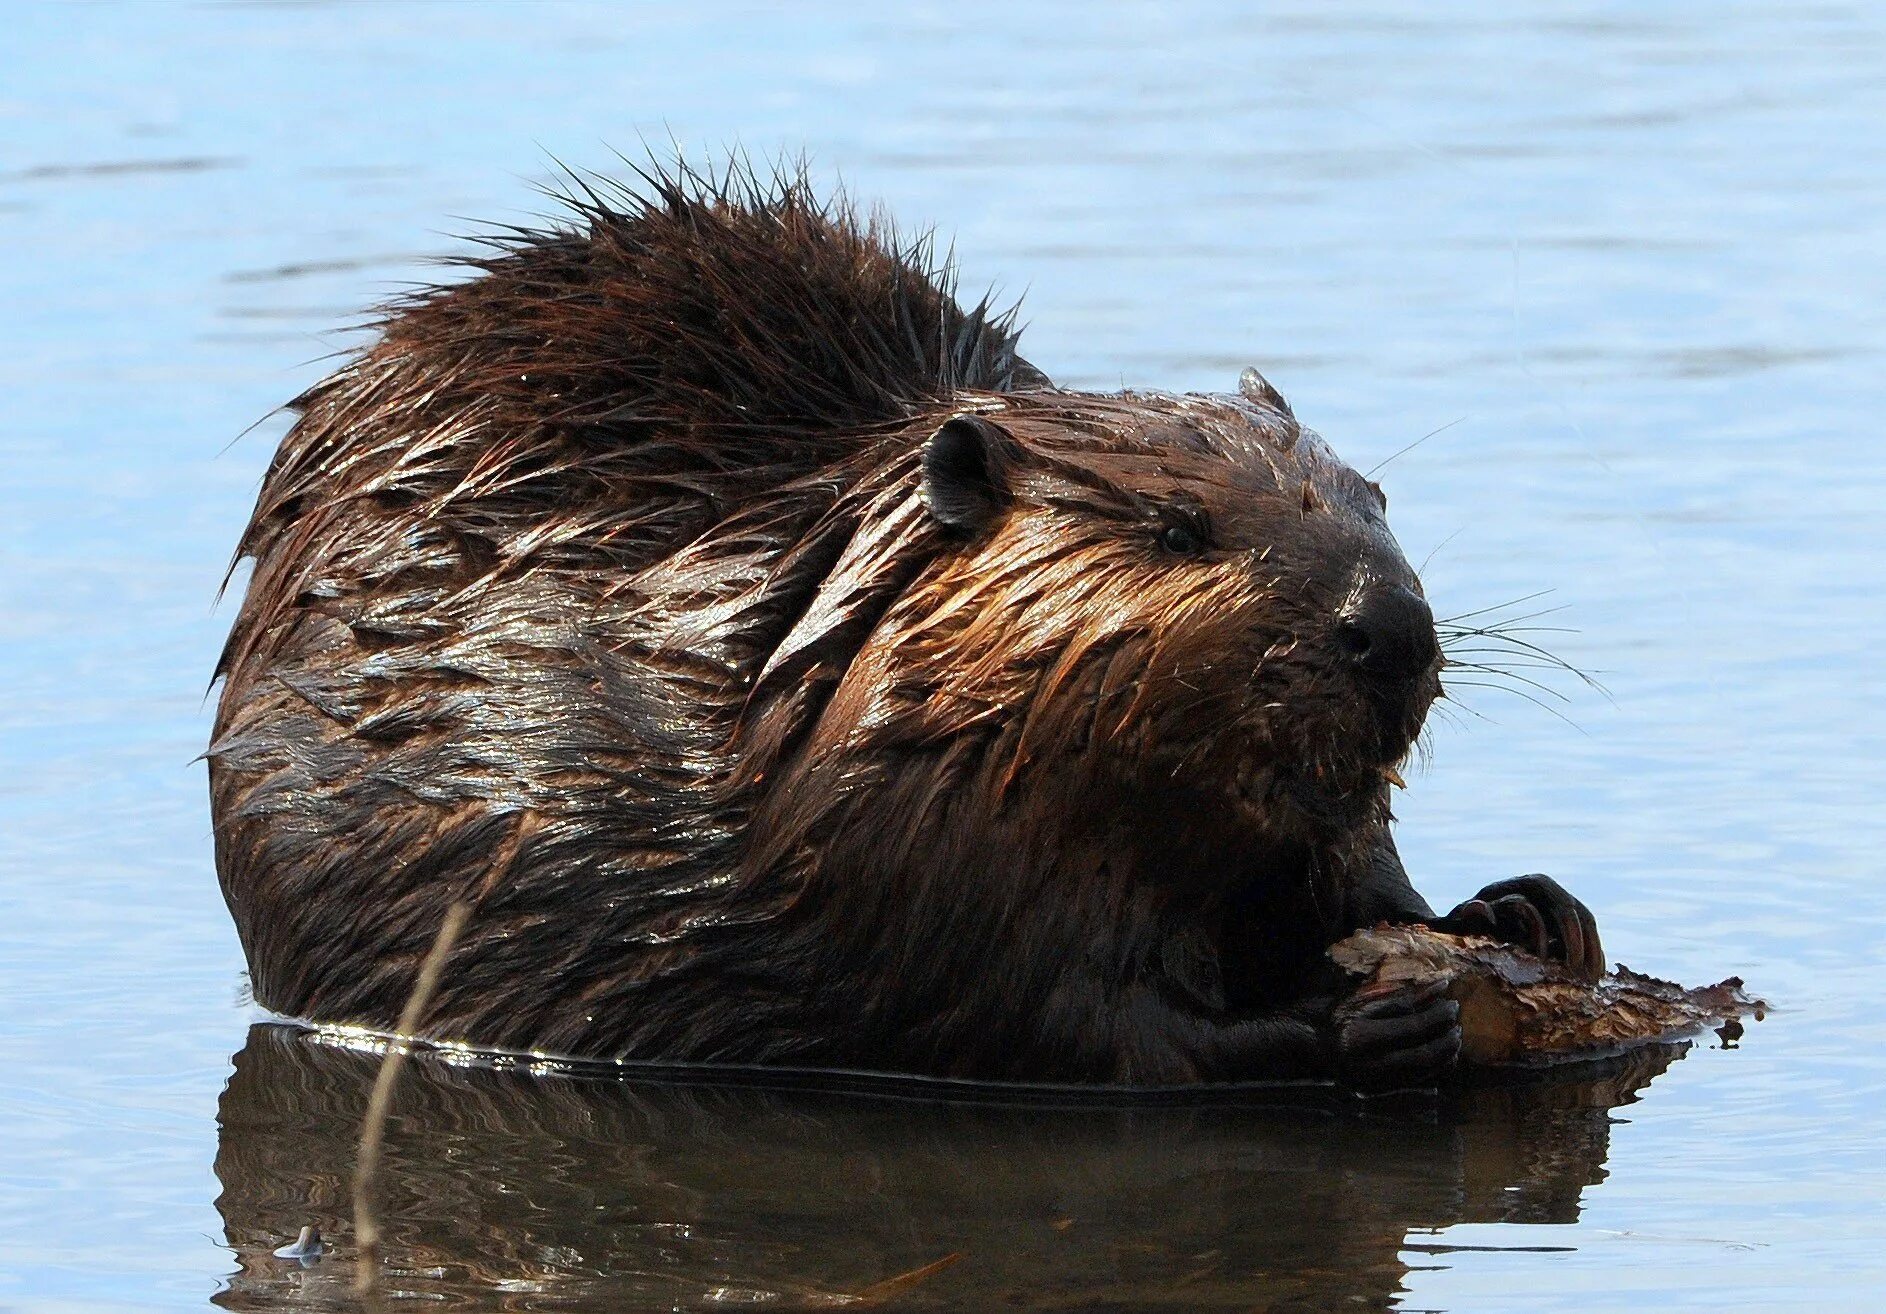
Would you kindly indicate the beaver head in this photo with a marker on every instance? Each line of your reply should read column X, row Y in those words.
column 1181, row 600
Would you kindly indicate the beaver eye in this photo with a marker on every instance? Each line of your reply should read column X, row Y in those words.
column 1181, row 540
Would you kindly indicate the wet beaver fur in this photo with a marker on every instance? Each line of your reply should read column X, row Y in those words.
column 788, row 673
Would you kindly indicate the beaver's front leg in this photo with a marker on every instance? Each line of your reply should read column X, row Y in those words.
column 1536, row 913
column 1397, row 1038
column 1371, row 1039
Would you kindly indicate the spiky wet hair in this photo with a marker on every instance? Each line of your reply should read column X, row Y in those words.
column 650, row 352
column 463, row 618
column 554, row 579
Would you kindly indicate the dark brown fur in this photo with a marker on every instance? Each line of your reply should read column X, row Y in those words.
column 625, row 591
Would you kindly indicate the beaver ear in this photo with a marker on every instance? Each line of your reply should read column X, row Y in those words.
column 965, row 482
column 1261, row 390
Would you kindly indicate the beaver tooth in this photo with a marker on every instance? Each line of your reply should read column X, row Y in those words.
column 1393, row 777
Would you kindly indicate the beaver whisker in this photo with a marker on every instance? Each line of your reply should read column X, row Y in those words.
column 1435, row 551
column 1505, row 637
column 1501, row 633
column 1518, row 655
column 1515, row 622
column 1529, row 655
column 1497, row 606
column 1502, row 672
column 1498, row 659
column 1395, row 456
column 1504, row 633
column 1534, row 699
column 1452, row 710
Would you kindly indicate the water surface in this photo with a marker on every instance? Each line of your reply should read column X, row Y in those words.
column 1627, row 260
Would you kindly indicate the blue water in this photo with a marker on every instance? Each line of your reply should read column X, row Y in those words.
column 1627, row 259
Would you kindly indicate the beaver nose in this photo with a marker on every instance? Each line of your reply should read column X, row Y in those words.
column 1388, row 633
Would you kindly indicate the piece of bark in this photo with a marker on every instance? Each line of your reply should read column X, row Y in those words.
column 1516, row 1009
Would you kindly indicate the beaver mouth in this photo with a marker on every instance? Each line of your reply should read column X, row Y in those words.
column 1331, row 805
column 1318, row 800
column 1322, row 777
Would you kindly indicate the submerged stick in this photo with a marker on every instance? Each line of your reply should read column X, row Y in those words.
column 373, row 1127
column 896, row 1286
column 878, row 1292
column 1517, row 1010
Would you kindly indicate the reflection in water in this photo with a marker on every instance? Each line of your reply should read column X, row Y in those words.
column 502, row 1190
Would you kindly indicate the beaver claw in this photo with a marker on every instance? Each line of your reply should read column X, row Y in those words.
column 1398, row 1038
column 1537, row 914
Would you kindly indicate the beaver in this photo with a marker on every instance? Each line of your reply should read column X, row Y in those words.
column 786, row 672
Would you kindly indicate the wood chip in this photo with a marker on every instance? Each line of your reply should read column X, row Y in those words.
column 1516, row 1009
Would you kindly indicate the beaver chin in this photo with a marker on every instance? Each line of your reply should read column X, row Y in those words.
column 1305, row 804
column 1332, row 806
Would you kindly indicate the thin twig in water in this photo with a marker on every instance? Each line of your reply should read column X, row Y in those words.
column 878, row 1292
column 373, row 1127
column 875, row 1294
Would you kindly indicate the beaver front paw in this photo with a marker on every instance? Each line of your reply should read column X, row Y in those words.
column 1537, row 914
column 1397, row 1037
